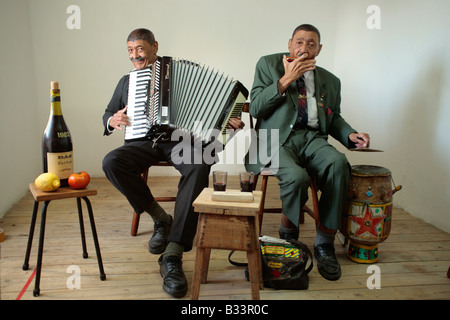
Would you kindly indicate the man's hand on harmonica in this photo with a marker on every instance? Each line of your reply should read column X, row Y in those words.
column 294, row 69
column 119, row 118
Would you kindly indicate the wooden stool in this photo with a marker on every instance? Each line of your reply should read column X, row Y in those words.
column 61, row 193
column 231, row 226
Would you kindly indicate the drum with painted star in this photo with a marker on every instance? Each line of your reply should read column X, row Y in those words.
column 368, row 216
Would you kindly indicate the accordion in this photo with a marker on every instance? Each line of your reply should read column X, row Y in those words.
column 176, row 94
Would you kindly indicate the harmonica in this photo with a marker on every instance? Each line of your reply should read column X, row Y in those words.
column 290, row 59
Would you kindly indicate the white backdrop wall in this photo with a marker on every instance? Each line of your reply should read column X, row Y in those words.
column 395, row 78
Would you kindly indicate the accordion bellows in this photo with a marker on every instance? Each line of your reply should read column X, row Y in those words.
column 179, row 94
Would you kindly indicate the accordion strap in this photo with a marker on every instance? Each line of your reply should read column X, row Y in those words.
column 164, row 136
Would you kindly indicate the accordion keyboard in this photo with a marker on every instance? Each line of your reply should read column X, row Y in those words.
column 137, row 111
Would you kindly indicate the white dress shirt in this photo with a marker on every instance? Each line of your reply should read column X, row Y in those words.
column 313, row 120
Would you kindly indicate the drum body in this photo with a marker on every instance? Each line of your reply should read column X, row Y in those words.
column 367, row 220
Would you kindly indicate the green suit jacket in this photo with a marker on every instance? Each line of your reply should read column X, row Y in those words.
column 279, row 112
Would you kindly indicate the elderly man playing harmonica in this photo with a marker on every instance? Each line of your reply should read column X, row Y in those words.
column 302, row 101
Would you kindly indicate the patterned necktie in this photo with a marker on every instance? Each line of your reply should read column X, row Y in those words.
column 302, row 119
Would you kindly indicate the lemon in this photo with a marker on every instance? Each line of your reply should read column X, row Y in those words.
column 47, row 182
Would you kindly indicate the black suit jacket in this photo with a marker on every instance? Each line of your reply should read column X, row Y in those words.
column 118, row 101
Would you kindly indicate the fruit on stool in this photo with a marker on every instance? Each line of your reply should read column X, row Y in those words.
column 79, row 180
column 47, row 182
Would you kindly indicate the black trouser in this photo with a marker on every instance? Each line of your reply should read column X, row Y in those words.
column 124, row 166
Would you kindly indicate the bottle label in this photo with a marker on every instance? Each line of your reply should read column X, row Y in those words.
column 60, row 163
column 55, row 103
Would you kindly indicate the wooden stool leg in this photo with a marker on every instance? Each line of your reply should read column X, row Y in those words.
column 254, row 258
column 205, row 264
column 256, row 235
column 301, row 219
column 135, row 224
column 94, row 235
column 263, row 199
column 200, row 260
column 315, row 201
column 30, row 236
column 82, row 233
column 40, row 250
column 254, row 271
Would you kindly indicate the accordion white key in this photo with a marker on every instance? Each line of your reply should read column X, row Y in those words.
column 176, row 94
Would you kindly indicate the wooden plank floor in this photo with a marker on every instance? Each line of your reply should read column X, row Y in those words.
column 413, row 261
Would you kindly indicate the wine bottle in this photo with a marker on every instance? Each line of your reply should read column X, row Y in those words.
column 57, row 150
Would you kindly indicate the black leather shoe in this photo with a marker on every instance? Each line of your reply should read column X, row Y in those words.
column 327, row 263
column 174, row 280
column 160, row 238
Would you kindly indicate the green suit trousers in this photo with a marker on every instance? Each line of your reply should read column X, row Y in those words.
column 308, row 152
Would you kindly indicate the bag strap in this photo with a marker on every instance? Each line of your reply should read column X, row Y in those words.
column 306, row 249
column 264, row 269
column 234, row 263
column 292, row 241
